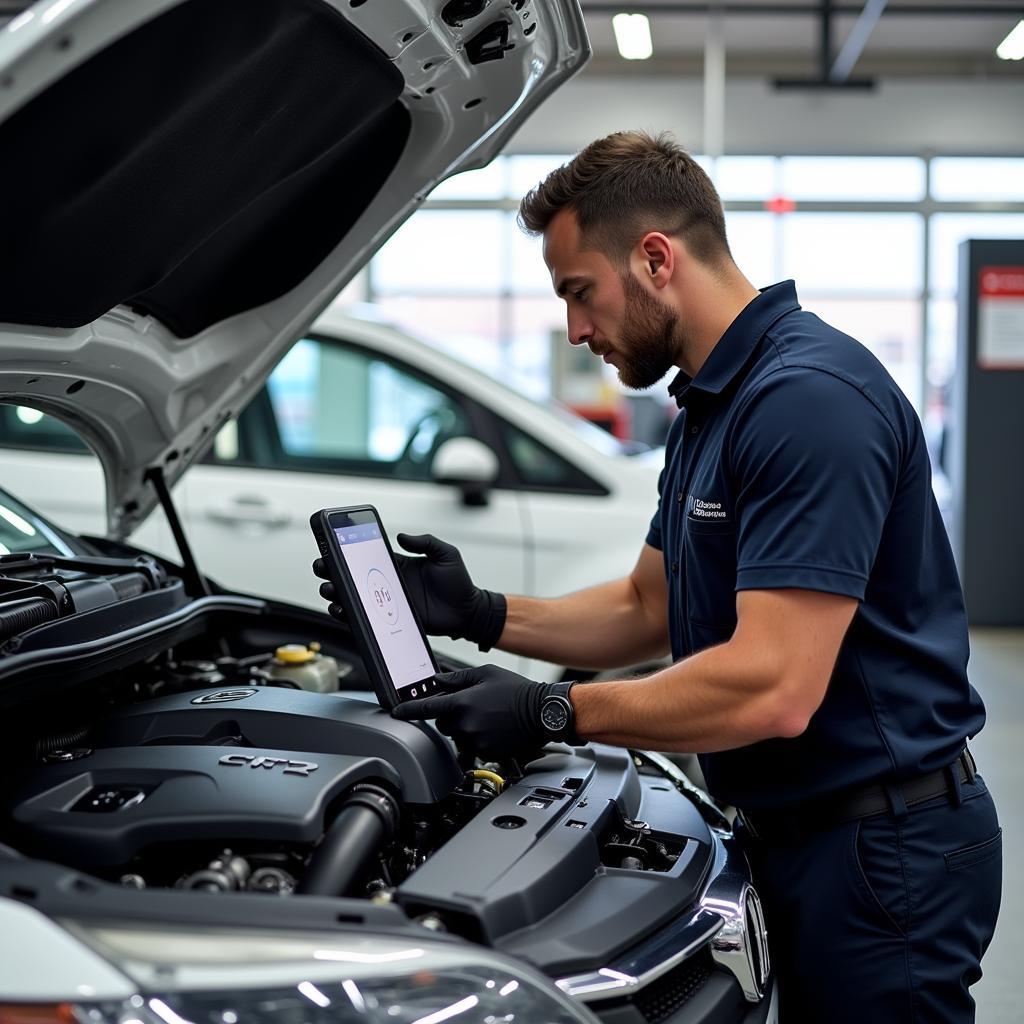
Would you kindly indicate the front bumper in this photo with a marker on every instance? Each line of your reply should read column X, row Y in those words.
column 708, row 967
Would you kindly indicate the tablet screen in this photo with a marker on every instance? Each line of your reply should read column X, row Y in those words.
column 383, row 599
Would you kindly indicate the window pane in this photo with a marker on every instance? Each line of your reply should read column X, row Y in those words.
column 753, row 242
column 22, row 427
column 948, row 230
column 529, row 272
column 538, row 465
column 846, row 253
column 746, row 177
column 526, row 172
column 536, row 324
column 937, row 414
column 443, row 250
column 890, row 328
column 331, row 402
column 968, row 178
column 853, row 178
column 486, row 183
column 942, row 327
column 467, row 328
column 22, row 531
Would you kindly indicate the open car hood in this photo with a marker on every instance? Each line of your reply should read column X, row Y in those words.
column 186, row 185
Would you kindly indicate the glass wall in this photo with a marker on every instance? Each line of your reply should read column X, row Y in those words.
column 872, row 243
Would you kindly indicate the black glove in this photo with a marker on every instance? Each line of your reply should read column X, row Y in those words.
column 443, row 596
column 488, row 710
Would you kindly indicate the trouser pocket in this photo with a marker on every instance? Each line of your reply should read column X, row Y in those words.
column 880, row 872
column 975, row 854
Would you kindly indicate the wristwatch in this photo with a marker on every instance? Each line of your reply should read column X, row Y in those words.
column 558, row 717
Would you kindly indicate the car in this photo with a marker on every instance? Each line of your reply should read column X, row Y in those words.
column 202, row 816
column 538, row 500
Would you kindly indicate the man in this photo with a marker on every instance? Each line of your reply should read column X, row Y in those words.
column 797, row 568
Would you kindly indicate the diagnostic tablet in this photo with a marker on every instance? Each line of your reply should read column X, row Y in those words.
column 362, row 567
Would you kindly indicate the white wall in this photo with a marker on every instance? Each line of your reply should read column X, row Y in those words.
column 945, row 116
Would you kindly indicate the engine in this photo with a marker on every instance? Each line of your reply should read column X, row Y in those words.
column 215, row 775
column 234, row 788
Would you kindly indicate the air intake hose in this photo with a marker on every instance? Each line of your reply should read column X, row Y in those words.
column 18, row 616
column 368, row 820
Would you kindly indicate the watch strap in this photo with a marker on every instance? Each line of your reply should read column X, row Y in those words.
column 569, row 733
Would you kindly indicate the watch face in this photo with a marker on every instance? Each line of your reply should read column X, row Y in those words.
column 554, row 716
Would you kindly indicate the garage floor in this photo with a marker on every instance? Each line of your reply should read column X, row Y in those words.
column 997, row 672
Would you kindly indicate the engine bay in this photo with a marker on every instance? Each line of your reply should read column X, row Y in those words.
column 220, row 757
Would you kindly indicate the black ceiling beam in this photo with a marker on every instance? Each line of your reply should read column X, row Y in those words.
column 825, row 40
column 825, row 79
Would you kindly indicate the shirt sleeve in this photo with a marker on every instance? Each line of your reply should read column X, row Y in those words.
column 654, row 530
column 815, row 465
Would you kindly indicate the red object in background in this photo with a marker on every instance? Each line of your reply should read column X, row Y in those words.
column 780, row 204
column 613, row 418
column 1001, row 318
column 1001, row 282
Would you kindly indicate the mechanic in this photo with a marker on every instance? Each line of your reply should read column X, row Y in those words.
column 798, row 569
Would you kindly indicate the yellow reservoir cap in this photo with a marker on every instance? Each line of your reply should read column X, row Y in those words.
column 295, row 654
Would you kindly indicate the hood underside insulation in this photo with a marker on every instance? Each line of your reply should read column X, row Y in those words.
column 199, row 166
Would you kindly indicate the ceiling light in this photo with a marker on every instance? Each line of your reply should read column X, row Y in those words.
column 633, row 36
column 1012, row 47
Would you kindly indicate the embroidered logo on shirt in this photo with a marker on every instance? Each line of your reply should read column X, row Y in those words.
column 705, row 510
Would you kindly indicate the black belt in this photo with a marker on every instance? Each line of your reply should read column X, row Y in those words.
column 865, row 802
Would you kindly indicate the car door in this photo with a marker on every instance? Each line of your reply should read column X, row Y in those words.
column 338, row 424
column 584, row 531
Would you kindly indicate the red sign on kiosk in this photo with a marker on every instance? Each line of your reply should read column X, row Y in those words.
column 1001, row 318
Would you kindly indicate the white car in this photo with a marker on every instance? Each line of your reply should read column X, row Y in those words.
column 538, row 500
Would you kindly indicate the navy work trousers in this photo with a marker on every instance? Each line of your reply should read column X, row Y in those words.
column 883, row 919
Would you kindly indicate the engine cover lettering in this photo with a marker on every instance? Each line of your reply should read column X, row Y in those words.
column 288, row 766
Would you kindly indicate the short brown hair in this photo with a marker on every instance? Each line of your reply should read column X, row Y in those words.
column 626, row 184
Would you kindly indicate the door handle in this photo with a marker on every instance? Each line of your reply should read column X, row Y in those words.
column 249, row 512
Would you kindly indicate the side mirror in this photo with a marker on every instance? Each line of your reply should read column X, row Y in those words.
column 468, row 464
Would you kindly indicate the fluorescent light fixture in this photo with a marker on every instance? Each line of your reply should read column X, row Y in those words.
column 1012, row 47
column 28, row 417
column 314, row 995
column 633, row 36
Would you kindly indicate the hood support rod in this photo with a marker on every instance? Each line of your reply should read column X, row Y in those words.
column 195, row 582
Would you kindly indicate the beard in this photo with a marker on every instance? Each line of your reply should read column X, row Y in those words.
column 650, row 339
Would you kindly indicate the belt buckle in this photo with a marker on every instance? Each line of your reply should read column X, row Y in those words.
column 970, row 768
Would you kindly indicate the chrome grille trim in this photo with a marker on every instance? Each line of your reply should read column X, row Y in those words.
column 647, row 962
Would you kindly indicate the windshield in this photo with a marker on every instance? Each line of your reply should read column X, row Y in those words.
column 21, row 530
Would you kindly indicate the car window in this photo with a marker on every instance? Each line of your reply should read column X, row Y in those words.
column 22, row 427
column 540, row 467
column 21, row 530
column 342, row 409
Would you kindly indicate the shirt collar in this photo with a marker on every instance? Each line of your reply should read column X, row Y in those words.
column 734, row 348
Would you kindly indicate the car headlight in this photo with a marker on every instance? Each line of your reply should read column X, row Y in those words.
column 221, row 977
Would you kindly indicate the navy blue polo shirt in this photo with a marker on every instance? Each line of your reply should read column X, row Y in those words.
column 797, row 462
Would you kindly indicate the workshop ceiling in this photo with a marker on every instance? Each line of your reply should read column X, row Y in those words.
column 783, row 38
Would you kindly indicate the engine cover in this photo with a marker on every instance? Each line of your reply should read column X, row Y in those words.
column 282, row 719
column 104, row 809
column 233, row 764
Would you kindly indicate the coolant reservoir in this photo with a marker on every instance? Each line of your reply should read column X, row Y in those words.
column 306, row 667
